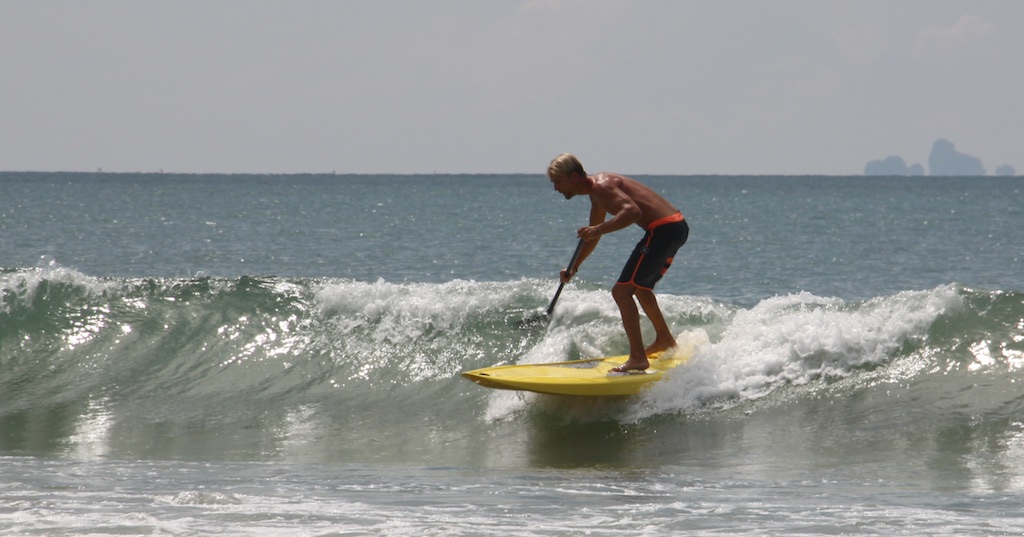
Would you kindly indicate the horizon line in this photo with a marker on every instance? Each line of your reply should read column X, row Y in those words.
column 436, row 173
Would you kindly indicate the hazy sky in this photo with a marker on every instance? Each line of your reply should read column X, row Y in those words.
column 644, row 87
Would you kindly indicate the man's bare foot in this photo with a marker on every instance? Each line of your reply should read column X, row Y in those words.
column 659, row 346
column 632, row 365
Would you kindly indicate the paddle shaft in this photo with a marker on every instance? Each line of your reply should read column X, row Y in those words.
column 575, row 256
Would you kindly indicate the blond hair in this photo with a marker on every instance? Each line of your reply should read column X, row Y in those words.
column 564, row 165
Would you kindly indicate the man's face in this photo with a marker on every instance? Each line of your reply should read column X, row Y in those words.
column 565, row 184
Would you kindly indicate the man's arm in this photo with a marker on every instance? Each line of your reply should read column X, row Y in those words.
column 597, row 217
column 610, row 199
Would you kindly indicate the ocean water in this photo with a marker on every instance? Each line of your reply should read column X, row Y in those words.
column 280, row 355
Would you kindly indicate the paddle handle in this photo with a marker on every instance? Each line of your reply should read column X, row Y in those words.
column 575, row 256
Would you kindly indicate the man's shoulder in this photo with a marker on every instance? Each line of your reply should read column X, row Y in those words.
column 609, row 180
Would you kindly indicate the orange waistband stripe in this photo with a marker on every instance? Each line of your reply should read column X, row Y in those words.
column 678, row 217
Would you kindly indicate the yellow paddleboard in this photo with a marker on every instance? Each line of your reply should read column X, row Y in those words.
column 579, row 377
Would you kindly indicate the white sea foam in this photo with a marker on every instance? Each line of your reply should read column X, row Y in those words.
column 24, row 284
column 794, row 340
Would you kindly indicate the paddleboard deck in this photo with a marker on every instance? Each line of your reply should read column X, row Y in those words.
column 591, row 377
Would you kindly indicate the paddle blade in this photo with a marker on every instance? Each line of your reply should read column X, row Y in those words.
column 538, row 319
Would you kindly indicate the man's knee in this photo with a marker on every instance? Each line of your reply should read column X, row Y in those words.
column 642, row 293
column 622, row 292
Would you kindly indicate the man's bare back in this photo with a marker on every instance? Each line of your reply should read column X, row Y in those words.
column 652, row 206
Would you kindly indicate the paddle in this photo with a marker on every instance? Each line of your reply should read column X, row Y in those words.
column 541, row 316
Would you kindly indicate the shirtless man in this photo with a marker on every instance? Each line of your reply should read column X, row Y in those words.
column 628, row 202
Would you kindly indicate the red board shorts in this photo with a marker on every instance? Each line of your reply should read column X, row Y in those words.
column 654, row 253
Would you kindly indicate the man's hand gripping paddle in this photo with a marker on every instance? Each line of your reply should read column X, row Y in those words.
column 542, row 317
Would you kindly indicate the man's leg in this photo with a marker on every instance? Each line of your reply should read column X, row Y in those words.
column 663, row 338
column 623, row 295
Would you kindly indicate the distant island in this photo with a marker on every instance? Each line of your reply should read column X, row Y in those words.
column 943, row 160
